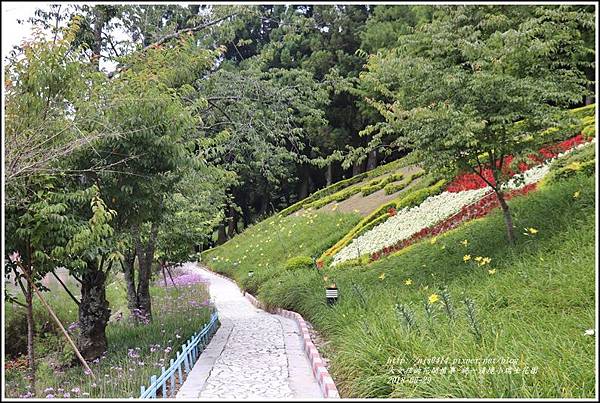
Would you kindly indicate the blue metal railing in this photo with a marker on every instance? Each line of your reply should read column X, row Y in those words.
column 190, row 351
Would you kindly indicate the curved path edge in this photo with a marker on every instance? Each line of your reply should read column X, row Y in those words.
column 317, row 364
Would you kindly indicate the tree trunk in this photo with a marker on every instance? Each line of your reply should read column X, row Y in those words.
column 97, row 45
column 93, row 313
column 232, row 225
column 372, row 160
column 264, row 203
column 221, row 234
column 129, row 274
column 304, row 183
column 145, row 259
column 510, row 232
column 329, row 174
column 358, row 167
column 30, row 333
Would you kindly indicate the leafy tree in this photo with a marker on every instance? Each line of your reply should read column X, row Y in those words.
column 192, row 211
column 456, row 88
column 49, row 103
column 257, row 122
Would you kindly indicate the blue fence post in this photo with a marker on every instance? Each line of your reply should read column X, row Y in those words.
column 164, row 383
column 142, row 390
column 179, row 369
column 172, row 378
column 152, row 382
column 185, row 360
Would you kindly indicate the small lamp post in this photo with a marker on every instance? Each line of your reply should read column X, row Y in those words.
column 331, row 293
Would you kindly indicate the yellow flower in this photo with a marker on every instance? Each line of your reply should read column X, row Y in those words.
column 576, row 194
column 530, row 231
column 493, row 271
column 478, row 258
column 465, row 242
column 408, row 281
column 433, row 298
column 335, row 206
column 433, row 241
column 356, row 210
column 466, row 258
column 382, row 276
column 487, row 260
column 325, row 278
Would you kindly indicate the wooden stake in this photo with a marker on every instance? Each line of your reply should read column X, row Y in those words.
column 85, row 364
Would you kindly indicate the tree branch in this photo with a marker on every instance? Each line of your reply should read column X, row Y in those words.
column 175, row 35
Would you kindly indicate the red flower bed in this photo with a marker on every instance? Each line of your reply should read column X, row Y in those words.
column 470, row 180
column 470, row 212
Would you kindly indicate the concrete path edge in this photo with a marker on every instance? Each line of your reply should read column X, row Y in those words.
column 319, row 370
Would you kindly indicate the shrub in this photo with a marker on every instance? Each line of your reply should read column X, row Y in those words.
column 299, row 263
column 395, row 187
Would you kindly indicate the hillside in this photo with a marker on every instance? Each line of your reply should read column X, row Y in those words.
column 455, row 289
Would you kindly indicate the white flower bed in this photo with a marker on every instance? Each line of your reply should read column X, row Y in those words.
column 433, row 210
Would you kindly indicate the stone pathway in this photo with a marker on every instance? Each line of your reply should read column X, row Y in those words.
column 253, row 355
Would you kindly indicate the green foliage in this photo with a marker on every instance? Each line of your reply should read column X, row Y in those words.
column 299, row 263
column 582, row 161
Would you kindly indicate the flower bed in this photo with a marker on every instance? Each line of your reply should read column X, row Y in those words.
column 471, row 181
column 441, row 212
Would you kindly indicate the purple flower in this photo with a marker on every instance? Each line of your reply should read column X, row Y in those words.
column 132, row 353
column 66, row 395
column 49, row 396
column 168, row 350
column 76, row 390
column 73, row 326
column 48, row 390
column 189, row 279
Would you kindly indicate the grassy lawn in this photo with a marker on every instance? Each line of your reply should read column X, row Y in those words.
column 135, row 352
column 526, row 311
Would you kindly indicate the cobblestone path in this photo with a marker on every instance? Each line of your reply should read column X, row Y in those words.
column 253, row 355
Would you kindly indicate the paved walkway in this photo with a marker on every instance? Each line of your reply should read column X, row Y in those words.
column 253, row 355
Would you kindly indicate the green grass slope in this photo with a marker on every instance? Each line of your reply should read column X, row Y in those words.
column 526, row 311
